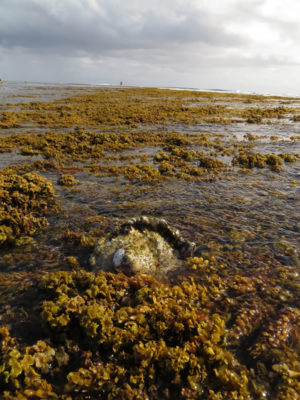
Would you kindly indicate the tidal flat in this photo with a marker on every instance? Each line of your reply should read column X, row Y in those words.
column 223, row 169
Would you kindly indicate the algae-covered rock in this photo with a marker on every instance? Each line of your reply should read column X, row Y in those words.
column 135, row 252
column 143, row 245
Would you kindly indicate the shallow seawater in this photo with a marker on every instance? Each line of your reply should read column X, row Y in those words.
column 227, row 178
column 260, row 204
column 25, row 92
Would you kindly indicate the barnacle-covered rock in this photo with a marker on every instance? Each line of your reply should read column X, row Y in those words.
column 135, row 253
column 142, row 245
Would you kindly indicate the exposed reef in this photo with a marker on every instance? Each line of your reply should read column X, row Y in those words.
column 219, row 320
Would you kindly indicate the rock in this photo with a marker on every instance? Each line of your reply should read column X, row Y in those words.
column 119, row 257
column 142, row 245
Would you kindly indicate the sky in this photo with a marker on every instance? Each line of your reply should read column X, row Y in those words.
column 237, row 45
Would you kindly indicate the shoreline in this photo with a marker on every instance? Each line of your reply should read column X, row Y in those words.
column 179, row 88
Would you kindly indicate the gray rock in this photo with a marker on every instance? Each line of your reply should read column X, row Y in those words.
column 142, row 245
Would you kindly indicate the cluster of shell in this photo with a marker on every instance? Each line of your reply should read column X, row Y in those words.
column 143, row 245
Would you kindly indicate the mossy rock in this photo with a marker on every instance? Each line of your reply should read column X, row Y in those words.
column 143, row 245
column 136, row 252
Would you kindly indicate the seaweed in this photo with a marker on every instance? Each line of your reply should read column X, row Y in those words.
column 228, row 328
column 25, row 200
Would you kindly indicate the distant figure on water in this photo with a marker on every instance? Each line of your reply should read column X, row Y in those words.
column 121, row 83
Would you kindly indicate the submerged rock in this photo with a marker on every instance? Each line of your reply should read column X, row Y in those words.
column 142, row 246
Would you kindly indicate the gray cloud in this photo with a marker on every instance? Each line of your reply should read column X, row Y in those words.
column 159, row 42
column 75, row 27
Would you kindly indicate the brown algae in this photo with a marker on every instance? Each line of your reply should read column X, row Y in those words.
column 226, row 325
column 25, row 199
column 121, row 337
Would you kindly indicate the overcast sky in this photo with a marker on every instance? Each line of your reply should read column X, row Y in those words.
column 247, row 45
